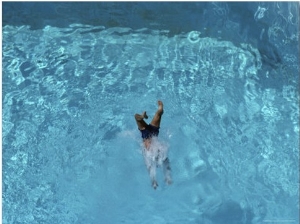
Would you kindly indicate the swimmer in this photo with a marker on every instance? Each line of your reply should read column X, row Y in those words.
column 153, row 153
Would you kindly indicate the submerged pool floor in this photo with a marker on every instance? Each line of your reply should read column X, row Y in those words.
column 72, row 151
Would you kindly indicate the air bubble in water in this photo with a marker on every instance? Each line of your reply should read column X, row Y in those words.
column 194, row 36
column 259, row 14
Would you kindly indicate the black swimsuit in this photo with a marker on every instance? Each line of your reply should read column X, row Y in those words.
column 149, row 131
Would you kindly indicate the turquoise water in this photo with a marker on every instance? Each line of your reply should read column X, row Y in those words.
column 72, row 151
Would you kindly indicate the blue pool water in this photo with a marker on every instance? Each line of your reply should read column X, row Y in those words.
column 74, row 74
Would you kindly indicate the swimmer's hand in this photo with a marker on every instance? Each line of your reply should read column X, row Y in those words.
column 154, row 184
column 168, row 180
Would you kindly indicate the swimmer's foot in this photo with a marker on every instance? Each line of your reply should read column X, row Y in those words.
column 154, row 184
column 145, row 115
column 160, row 106
column 168, row 180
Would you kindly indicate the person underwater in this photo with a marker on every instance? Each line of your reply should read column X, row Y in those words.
column 155, row 154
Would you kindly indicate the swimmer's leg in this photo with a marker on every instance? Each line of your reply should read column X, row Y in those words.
column 152, row 171
column 157, row 117
column 140, row 120
column 167, row 171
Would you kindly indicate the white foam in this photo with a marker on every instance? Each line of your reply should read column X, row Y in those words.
column 156, row 153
